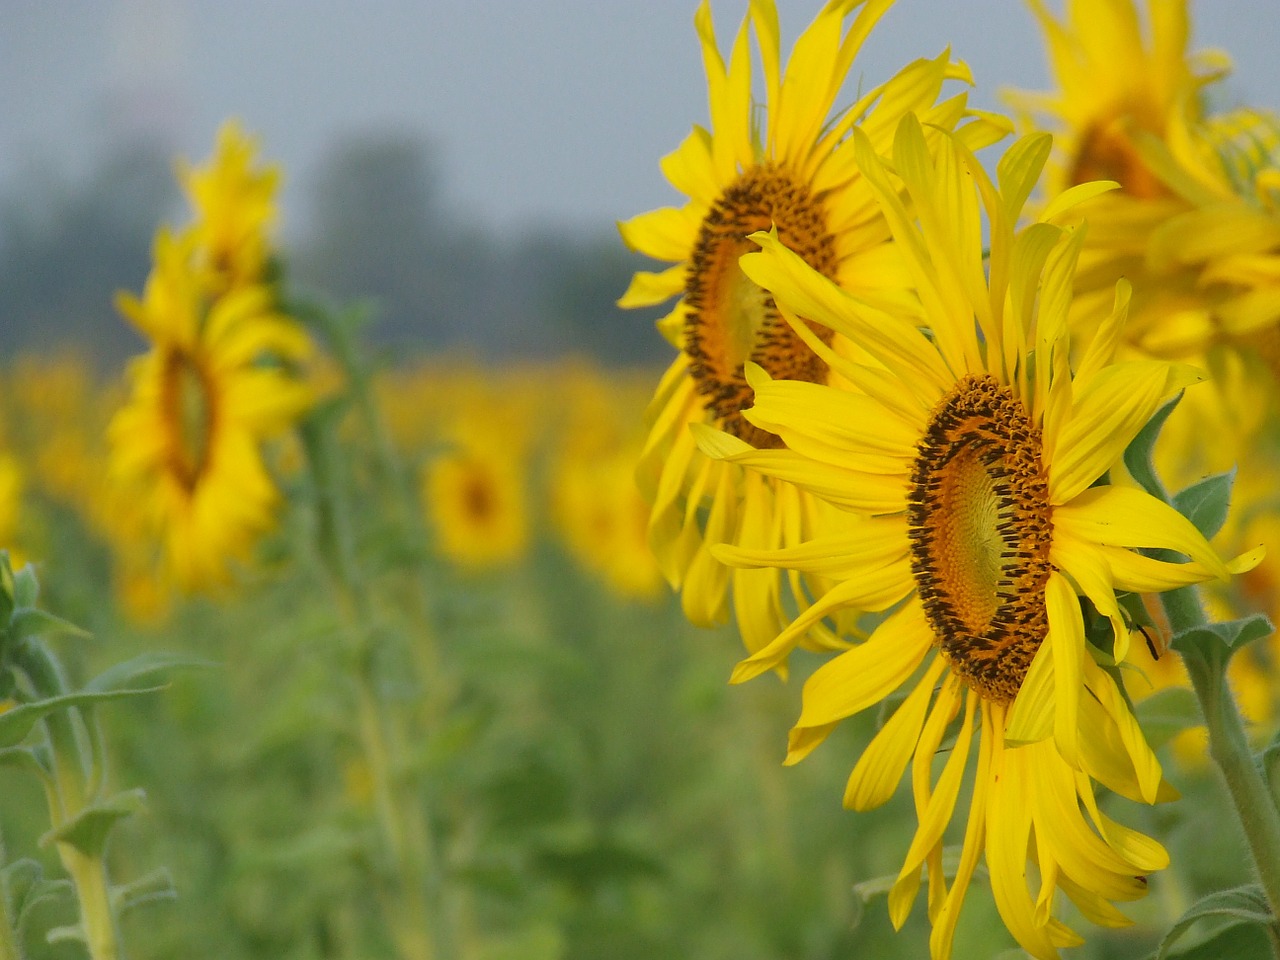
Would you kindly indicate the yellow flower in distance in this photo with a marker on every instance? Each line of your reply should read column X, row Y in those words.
column 973, row 462
column 215, row 385
column 475, row 495
column 787, row 166
column 234, row 200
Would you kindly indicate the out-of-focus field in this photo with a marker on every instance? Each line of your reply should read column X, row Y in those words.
column 579, row 779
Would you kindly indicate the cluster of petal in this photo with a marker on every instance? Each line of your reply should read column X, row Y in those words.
column 697, row 503
column 234, row 202
column 191, row 489
column 855, row 444
column 1194, row 224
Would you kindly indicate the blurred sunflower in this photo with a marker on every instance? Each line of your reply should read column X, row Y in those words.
column 1195, row 210
column 234, row 201
column 598, row 511
column 976, row 463
column 786, row 166
column 214, row 386
column 474, row 494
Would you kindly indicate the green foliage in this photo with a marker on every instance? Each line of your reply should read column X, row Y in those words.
column 1138, row 455
column 1242, row 905
column 1205, row 503
column 1230, row 634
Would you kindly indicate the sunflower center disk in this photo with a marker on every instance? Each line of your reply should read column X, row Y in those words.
column 730, row 319
column 980, row 528
column 189, row 407
column 1107, row 153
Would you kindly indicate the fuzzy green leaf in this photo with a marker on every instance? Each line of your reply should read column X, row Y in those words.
column 26, row 588
column 1233, row 634
column 88, row 831
column 25, row 886
column 16, row 723
column 1137, row 456
column 149, row 670
column 1205, row 503
column 1240, row 905
column 33, row 622
column 150, row 888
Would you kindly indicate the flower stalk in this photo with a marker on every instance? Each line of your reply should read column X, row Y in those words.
column 73, row 779
column 1229, row 749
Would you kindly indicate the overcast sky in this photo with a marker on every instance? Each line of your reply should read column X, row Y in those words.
column 541, row 111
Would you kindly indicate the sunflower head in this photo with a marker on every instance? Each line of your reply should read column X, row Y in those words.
column 784, row 165
column 973, row 457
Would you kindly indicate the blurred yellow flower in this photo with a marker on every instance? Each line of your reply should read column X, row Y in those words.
column 475, row 496
column 214, row 386
column 596, row 505
column 234, row 201
column 788, row 166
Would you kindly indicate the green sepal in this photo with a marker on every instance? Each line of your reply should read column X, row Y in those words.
column 24, row 886
column 33, row 622
column 1137, row 456
column 88, row 830
column 1231, row 634
column 1243, row 905
column 1167, row 713
column 149, row 888
column 144, row 673
column 1205, row 502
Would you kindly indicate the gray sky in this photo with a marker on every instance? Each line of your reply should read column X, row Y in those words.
column 542, row 111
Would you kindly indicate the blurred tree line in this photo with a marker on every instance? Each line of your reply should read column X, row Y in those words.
column 379, row 230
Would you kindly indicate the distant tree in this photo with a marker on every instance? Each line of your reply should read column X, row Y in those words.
column 67, row 247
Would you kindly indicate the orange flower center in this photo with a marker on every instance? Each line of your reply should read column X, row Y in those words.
column 980, row 528
column 190, row 416
column 1107, row 153
column 730, row 319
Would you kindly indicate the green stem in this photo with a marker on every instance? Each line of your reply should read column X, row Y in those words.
column 1229, row 748
column 403, row 827
column 9, row 946
column 71, row 774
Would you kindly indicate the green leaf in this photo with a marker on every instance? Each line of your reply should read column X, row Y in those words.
column 25, row 886
column 1165, row 714
column 1205, row 502
column 88, row 831
column 1237, row 941
column 1137, row 456
column 149, row 670
column 154, row 886
column 32, row 621
column 1240, row 905
column 1270, row 760
column 1233, row 634
column 26, row 588
column 15, row 724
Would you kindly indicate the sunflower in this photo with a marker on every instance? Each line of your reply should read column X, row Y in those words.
column 974, row 464
column 787, row 166
column 1119, row 93
column 234, row 201
column 215, row 385
column 474, row 491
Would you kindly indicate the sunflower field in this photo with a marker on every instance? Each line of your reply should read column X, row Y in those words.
column 919, row 605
